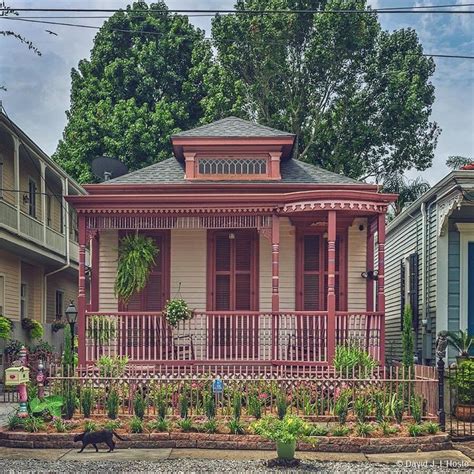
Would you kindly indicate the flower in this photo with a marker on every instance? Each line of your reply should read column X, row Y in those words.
column 263, row 396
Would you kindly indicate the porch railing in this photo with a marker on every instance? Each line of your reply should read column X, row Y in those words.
column 287, row 338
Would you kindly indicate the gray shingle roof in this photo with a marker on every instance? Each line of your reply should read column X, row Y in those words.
column 171, row 171
column 233, row 127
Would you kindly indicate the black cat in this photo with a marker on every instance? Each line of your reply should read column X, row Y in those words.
column 96, row 437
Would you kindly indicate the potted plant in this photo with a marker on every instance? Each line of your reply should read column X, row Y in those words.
column 34, row 328
column 6, row 327
column 177, row 310
column 58, row 325
column 284, row 432
column 463, row 383
column 462, row 341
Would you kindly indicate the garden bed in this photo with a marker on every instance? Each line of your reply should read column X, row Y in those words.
column 227, row 441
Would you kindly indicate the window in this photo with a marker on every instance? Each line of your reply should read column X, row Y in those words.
column 32, row 191
column 409, row 283
column 2, row 295
column 23, row 300
column 232, row 166
column 59, row 305
column 73, row 230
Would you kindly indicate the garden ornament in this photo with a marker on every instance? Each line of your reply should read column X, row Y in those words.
column 441, row 344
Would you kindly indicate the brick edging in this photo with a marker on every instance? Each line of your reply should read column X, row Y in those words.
column 222, row 441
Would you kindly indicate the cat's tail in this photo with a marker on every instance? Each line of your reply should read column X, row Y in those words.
column 115, row 434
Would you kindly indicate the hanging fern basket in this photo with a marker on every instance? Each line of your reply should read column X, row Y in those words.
column 137, row 255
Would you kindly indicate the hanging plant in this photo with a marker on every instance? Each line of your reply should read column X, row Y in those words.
column 177, row 310
column 58, row 325
column 34, row 328
column 102, row 329
column 6, row 327
column 136, row 258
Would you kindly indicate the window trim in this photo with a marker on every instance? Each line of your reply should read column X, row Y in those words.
column 59, row 315
column 24, row 299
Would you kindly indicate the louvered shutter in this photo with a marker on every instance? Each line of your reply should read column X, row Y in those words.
column 414, row 278
column 402, row 292
column 311, row 273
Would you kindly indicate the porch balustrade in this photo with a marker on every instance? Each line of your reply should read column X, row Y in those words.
column 283, row 338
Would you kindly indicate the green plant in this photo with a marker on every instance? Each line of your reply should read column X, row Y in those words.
column 101, row 329
column 210, row 426
column 282, row 405
column 68, row 359
column 186, row 425
column 183, row 405
column 361, row 408
column 70, row 396
column 112, row 366
column 33, row 424
column 408, row 341
column 341, row 407
column 288, row 430
column 90, row 425
column 160, row 425
column 161, row 406
column 254, row 406
column 48, row 406
column 209, row 405
column 177, row 310
column 387, row 428
column 430, row 427
column 34, row 328
column 237, row 405
column 59, row 425
column 6, row 327
column 58, row 325
column 461, row 341
column 112, row 404
column 395, row 407
column 112, row 425
column 136, row 258
column 416, row 407
column 379, row 405
column 462, row 380
column 87, row 401
column 14, row 421
column 136, row 425
column 139, row 405
column 364, row 429
column 12, row 348
column 353, row 361
column 415, row 430
column 317, row 430
column 236, row 426
column 341, row 430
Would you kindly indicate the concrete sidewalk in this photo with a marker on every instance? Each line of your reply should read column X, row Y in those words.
column 450, row 458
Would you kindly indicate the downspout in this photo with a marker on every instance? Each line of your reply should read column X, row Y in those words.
column 68, row 253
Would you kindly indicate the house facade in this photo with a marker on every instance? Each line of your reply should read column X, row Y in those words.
column 39, row 252
column 430, row 265
column 275, row 256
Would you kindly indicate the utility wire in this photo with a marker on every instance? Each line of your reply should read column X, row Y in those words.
column 153, row 33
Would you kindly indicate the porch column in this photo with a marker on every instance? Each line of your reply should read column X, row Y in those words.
column 81, row 299
column 16, row 180
column 94, row 290
column 43, row 197
column 331, row 324
column 275, row 282
column 381, row 281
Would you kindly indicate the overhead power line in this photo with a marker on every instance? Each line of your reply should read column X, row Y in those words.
column 153, row 33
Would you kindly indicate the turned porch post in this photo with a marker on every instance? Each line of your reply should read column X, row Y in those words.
column 275, row 282
column 381, row 281
column 331, row 298
column 81, row 299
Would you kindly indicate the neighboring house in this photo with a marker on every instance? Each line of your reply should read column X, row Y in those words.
column 430, row 265
column 38, row 233
column 272, row 253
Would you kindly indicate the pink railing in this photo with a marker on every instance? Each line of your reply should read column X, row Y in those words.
column 362, row 329
column 288, row 338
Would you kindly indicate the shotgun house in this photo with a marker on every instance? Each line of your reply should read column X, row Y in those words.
column 275, row 256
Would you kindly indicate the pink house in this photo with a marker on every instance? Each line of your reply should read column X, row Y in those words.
column 276, row 256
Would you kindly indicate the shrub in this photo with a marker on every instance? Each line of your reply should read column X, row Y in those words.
column 34, row 328
column 160, row 425
column 282, row 405
column 59, row 425
column 210, row 426
column 341, row 430
column 379, row 406
column 12, row 348
column 387, row 428
column 48, row 407
column 254, row 406
column 70, row 396
column 186, row 425
column 361, row 408
column 161, row 406
column 408, row 341
column 139, row 405
column 353, row 361
column 209, row 405
column 87, row 401
column 431, row 427
column 237, row 405
column 290, row 429
column 183, row 405
column 416, row 406
column 32, row 424
column 341, row 407
column 6, row 327
column 415, row 430
column 90, row 425
column 462, row 379
column 364, row 429
column 317, row 430
column 395, row 407
column 112, row 366
column 236, row 426
column 112, row 425
column 14, row 421
column 112, row 404
column 136, row 425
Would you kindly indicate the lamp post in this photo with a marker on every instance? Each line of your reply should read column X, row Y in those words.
column 71, row 316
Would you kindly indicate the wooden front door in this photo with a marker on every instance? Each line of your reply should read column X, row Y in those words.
column 233, row 282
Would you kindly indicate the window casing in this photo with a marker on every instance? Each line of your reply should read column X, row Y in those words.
column 59, row 304
column 23, row 300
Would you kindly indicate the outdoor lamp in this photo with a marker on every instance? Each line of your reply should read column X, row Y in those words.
column 71, row 316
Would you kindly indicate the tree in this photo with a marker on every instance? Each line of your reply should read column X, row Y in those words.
column 408, row 341
column 407, row 190
column 457, row 162
column 358, row 98
column 135, row 91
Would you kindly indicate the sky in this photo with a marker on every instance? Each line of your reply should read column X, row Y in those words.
column 38, row 87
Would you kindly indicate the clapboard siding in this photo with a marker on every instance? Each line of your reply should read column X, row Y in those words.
column 10, row 270
column 108, row 269
column 357, row 263
column 454, row 275
column 64, row 282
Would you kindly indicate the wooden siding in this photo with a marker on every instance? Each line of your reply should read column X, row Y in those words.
column 64, row 282
column 188, row 266
column 33, row 277
column 10, row 270
column 6, row 157
column 29, row 170
column 357, row 263
column 454, row 284
column 108, row 269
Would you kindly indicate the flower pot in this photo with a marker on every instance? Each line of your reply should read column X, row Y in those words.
column 464, row 412
column 286, row 450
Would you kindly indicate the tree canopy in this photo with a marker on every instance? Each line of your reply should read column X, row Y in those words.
column 358, row 98
column 135, row 91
